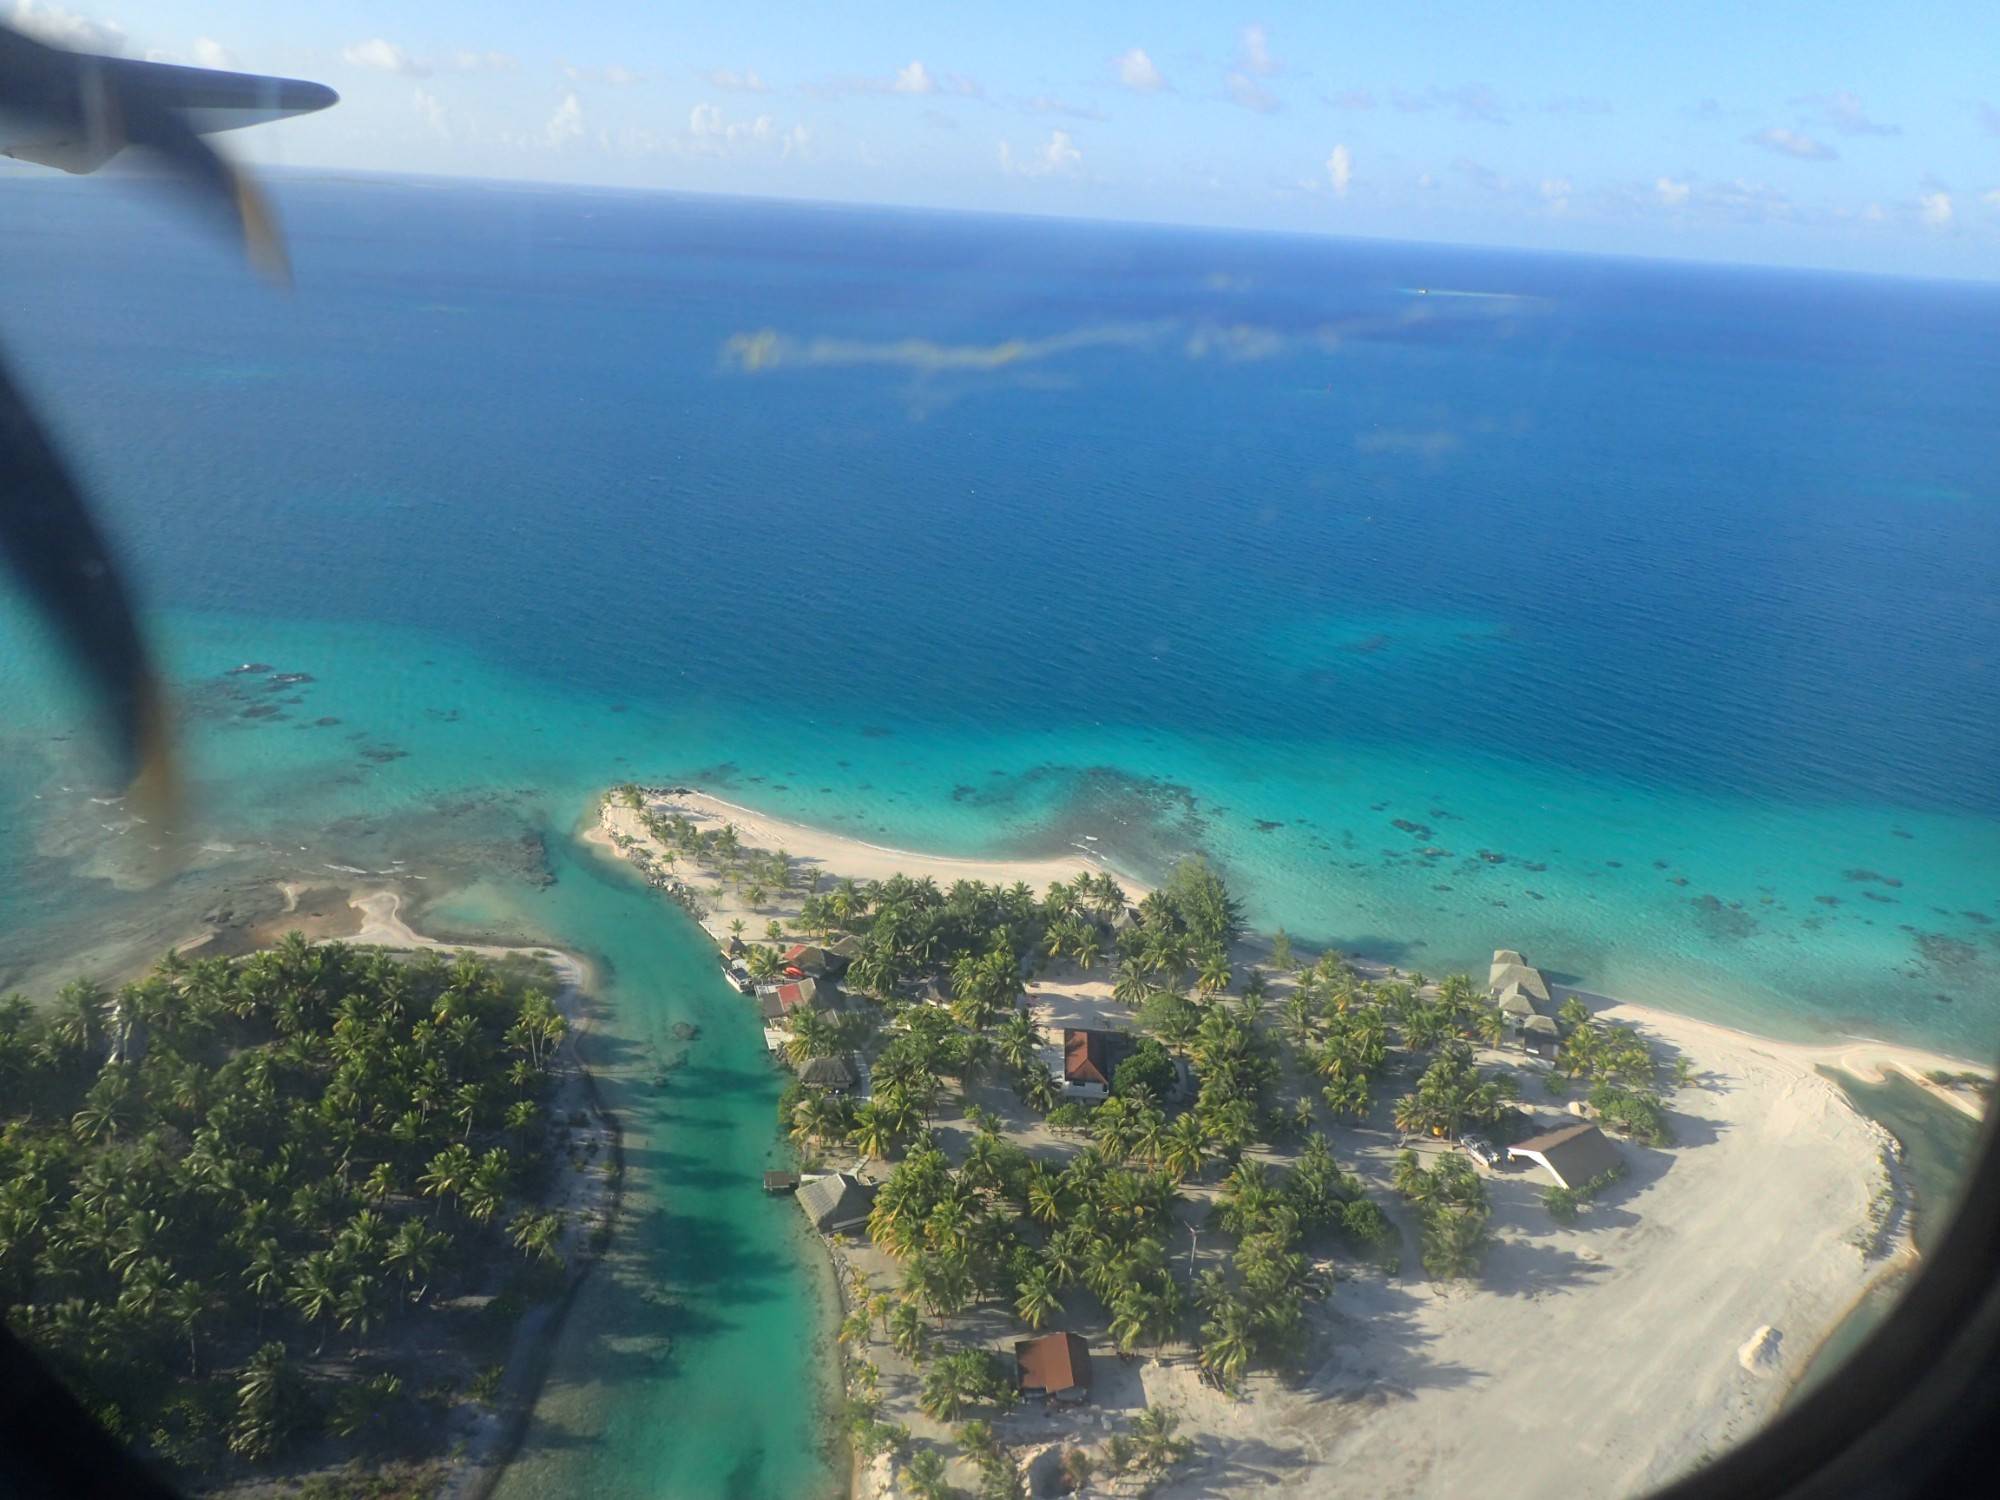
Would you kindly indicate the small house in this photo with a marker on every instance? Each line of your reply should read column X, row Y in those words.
column 781, row 1182
column 1572, row 1155
column 804, row 959
column 1540, row 1036
column 1529, row 981
column 837, row 1202
column 1515, row 1006
column 1056, row 1365
column 827, row 1073
column 1087, row 1063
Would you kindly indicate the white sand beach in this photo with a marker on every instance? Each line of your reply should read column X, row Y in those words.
column 1594, row 1360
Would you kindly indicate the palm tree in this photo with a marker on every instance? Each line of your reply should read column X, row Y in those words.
column 1453, row 1241
column 1215, row 976
column 1018, row 1041
column 269, row 1404
column 1348, row 1097
column 871, row 1133
column 486, row 1191
column 537, row 1234
column 924, row 1476
column 907, row 1332
column 1039, row 1090
column 1045, row 1201
column 812, row 1035
column 820, row 1118
column 1133, row 982
column 316, row 1288
column 1038, row 1302
column 1409, row 1178
column 449, row 1173
column 1225, row 1343
column 414, row 1252
column 1184, row 1148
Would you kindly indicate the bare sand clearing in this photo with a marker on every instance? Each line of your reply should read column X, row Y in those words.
column 832, row 856
column 1604, row 1359
column 1596, row 1360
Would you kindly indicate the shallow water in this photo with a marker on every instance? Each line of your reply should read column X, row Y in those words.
column 1938, row 1146
column 693, row 1359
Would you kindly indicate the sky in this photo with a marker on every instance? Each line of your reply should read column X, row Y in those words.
column 1846, row 134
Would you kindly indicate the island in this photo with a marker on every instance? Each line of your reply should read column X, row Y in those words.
column 1126, row 1199
column 304, row 1214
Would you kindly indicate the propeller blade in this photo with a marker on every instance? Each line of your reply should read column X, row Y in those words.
column 59, row 555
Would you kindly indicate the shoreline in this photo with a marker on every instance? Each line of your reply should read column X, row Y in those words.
column 1761, row 1112
column 591, row 1204
column 838, row 854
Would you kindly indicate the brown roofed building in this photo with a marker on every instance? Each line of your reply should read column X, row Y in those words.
column 1572, row 1155
column 1055, row 1365
column 1087, row 1063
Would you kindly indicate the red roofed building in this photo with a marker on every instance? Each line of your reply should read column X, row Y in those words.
column 1056, row 1365
column 1087, row 1063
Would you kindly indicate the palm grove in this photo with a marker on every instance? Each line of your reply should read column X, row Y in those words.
column 211, row 1175
column 1002, row 1226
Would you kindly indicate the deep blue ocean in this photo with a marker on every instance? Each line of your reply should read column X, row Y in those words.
column 1641, row 616
column 1671, row 586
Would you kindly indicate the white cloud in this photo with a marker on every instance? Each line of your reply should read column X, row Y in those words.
column 1936, row 209
column 746, row 82
column 1748, row 202
column 566, row 124
column 1556, row 191
column 1792, row 143
column 914, row 79
column 1873, row 214
column 1482, row 176
column 1991, row 197
column 713, row 133
column 614, row 75
column 1136, row 72
column 1248, row 92
column 209, row 54
column 65, row 28
column 480, row 62
column 1060, row 157
column 1340, row 170
column 1844, row 113
column 431, row 108
column 1473, row 101
column 1257, row 56
column 1674, row 192
column 1353, row 99
column 1048, row 104
column 383, row 57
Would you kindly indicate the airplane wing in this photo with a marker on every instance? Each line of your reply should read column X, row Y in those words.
column 75, row 111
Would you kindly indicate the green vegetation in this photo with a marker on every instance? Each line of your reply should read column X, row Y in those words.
column 1565, row 1204
column 209, row 1177
column 1452, row 1201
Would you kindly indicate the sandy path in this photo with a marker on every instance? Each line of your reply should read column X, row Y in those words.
column 837, row 855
